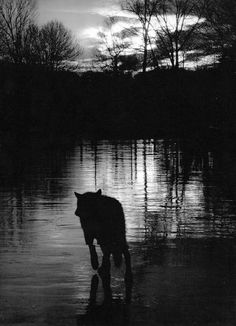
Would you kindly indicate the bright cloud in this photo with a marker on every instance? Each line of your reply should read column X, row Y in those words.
column 86, row 19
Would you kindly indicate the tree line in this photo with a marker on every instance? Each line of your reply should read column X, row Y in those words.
column 23, row 41
column 173, row 32
column 37, row 96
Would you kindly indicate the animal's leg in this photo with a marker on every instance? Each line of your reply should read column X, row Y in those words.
column 93, row 257
column 117, row 256
column 128, row 269
column 106, row 265
column 104, row 272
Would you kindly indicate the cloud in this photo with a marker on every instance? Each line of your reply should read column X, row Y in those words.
column 84, row 17
column 79, row 6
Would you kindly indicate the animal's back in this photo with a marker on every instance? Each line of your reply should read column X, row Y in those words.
column 111, row 218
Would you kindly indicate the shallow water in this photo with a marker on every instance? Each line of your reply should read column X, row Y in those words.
column 179, row 200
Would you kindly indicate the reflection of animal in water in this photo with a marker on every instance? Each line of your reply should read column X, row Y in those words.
column 111, row 311
column 102, row 218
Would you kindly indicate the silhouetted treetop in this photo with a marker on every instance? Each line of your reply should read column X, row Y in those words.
column 57, row 45
column 15, row 18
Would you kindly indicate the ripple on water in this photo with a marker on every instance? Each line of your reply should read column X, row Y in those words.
column 180, row 219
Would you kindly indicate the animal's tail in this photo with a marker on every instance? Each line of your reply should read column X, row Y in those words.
column 117, row 258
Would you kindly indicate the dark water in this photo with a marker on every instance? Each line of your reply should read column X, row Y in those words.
column 179, row 200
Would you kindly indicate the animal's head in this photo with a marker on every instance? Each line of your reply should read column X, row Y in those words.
column 86, row 202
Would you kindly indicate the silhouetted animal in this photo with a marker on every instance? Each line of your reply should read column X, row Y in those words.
column 102, row 218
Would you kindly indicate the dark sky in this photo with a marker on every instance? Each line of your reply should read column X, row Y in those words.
column 83, row 17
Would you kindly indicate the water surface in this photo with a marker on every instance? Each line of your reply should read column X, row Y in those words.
column 179, row 200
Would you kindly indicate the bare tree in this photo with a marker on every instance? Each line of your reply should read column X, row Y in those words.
column 176, row 25
column 57, row 45
column 32, row 45
column 15, row 19
column 113, row 45
column 145, row 10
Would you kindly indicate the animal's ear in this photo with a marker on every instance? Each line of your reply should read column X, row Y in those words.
column 77, row 195
column 99, row 192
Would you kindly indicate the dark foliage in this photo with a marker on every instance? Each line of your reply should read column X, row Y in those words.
column 36, row 101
